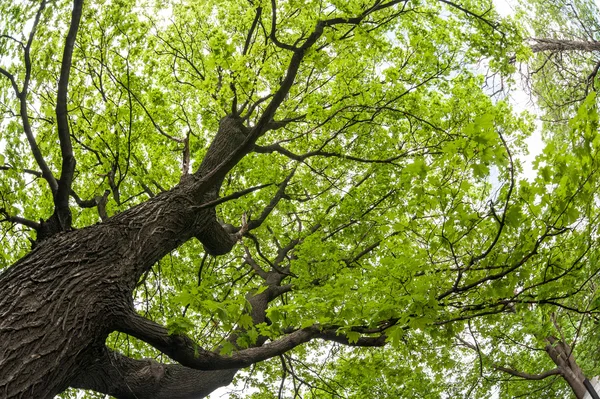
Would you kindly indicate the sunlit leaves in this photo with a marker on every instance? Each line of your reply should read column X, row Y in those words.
column 406, row 210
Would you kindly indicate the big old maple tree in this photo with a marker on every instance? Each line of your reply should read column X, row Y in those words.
column 191, row 188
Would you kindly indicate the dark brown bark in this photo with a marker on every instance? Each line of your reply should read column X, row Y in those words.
column 62, row 211
column 125, row 378
column 75, row 287
column 71, row 291
column 232, row 134
column 61, row 301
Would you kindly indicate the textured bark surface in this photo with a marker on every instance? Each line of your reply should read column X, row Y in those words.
column 126, row 378
column 60, row 302
column 230, row 137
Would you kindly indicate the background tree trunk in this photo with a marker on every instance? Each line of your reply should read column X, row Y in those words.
column 562, row 355
column 564, row 45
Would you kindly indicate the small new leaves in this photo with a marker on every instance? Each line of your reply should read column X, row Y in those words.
column 179, row 325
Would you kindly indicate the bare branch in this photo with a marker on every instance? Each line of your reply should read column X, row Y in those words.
column 273, row 35
column 187, row 352
column 253, row 224
column 22, row 96
column 255, row 266
column 563, row 45
column 28, row 171
column 123, row 377
column 251, row 31
column 471, row 13
column 528, row 376
column 18, row 220
column 319, row 153
column 13, row 82
column 238, row 194
column 61, row 197
column 83, row 203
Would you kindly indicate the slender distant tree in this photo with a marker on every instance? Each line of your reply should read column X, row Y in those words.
column 547, row 349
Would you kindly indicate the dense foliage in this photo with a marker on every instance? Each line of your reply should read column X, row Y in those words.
column 387, row 190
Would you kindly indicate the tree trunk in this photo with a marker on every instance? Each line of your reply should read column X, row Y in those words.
column 126, row 378
column 564, row 45
column 561, row 354
column 60, row 302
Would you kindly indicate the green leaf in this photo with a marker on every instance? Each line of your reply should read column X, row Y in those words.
column 179, row 325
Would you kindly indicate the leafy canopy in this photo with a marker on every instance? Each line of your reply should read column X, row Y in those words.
column 405, row 210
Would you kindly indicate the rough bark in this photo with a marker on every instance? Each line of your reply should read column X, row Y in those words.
column 231, row 136
column 125, row 378
column 70, row 292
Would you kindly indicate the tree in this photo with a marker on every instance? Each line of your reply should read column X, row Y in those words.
column 352, row 183
column 564, row 38
column 552, row 345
